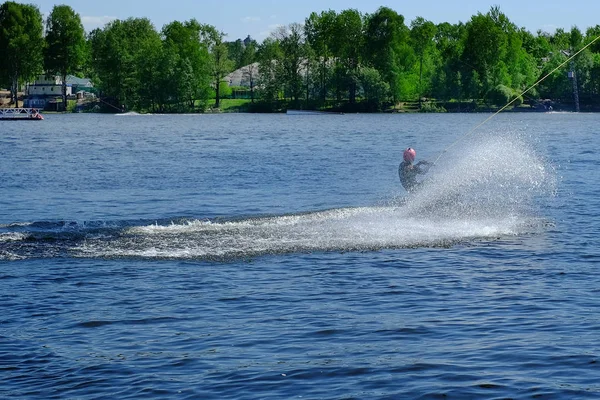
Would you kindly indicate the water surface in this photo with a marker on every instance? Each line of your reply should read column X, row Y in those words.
column 272, row 256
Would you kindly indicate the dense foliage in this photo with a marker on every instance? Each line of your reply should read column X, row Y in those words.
column 342, row 60
column 21, row 45
column 65, row 45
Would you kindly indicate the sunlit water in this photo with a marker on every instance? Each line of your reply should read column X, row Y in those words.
column 273, row 256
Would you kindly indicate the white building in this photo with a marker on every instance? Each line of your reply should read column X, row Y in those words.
column 47, row 86
column 245, row 76
column 45, row 90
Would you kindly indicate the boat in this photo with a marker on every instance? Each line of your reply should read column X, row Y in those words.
column 20, row 114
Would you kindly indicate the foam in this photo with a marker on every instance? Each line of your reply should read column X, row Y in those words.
column 491, row 188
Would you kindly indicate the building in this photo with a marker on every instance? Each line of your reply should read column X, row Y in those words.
column 245, row 76
column 45, row 90
column 80, row 84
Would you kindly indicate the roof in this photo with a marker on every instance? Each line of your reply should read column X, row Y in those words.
column 73, row 80
column 240, row 77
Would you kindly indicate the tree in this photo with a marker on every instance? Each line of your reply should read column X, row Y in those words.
column 592, row 34
column 484, row 49
column 318, row 31
column 249, row 53
column 235, row 52
column 250, row 74
column 270, row 75
column 65, row 45
column 220, row 65
column 494, row 50
column 347, row 39
column 122, row 54
column 387, row 49
column 374, row 89
column 291, row 43
column 446, row 82
column 422, row 33
column 190, row 71
column 21, row 45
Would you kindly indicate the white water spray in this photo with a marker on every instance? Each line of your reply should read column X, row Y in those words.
column 494, row 177
column 487, row 191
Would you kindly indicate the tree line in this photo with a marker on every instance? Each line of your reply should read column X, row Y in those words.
column 348, row 61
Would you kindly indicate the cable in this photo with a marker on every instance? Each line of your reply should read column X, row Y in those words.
column 513, row 100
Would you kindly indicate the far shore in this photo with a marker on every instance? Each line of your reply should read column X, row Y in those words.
column 405, row 107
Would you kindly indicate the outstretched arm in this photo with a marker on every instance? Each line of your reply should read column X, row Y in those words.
column 423, row 166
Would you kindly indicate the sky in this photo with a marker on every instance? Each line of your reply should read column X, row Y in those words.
column 258, row 18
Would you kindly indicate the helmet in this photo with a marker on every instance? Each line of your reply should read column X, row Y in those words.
column 409, row 155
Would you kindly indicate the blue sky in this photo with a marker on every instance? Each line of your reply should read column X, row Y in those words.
column 257, row 18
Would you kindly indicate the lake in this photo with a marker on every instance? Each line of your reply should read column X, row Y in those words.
column 251, row 256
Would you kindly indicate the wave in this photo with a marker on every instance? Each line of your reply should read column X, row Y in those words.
column 342, row 229
column 11, row 236
column 494, row 188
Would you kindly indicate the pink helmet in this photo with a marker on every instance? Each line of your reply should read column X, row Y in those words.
column 409, row 155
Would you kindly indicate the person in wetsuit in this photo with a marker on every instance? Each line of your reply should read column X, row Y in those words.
column 408, row 172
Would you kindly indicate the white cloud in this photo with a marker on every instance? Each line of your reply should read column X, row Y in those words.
column 90, row 22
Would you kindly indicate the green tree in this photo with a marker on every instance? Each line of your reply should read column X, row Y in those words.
column 446, row 82
column 242, row 52
column 122, row 53
column 560, row 39
column 249, row 53
column 270, row 75
column 494, row 50
column 484, row 49
column 560, row 86
column 235, row 52
column 149, row 76
column 189, row 76
column 582, row 65
column 318, row 31
column 65, row 45
column 346, row 45
column 220, row 64
column 291, row 43
column 374, row 89
column 422, row 33
column 592, row 34
column 387, row 50
column 21, row 45
column 538, row 46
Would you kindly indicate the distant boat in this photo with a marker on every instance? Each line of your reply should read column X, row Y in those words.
column 20, row 114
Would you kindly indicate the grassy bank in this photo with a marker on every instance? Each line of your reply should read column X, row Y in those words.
column 235, row 105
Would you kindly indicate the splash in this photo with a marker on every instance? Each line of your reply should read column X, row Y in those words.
column 494, row 188
column 345, row 229
column 493, row 178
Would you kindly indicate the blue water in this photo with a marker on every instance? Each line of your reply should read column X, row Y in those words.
column 277, row 257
